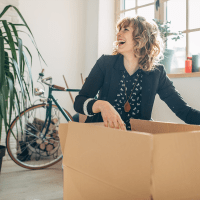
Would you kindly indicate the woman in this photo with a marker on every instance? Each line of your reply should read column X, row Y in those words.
column 129, row 80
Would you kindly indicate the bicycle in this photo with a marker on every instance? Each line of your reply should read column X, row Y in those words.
column 32, row 141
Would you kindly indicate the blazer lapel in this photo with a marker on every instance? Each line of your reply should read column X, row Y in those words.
column 146, row 95
column 115, row 78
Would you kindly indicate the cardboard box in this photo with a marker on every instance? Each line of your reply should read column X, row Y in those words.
column 159, row 161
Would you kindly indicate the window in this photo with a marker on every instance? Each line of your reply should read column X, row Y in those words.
column 186, row 20
column 183, row 14
column 130, row 8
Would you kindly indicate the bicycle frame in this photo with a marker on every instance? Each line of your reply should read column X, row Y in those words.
column 49, row 102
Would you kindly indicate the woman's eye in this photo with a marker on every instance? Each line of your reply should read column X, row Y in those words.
column 126, row 29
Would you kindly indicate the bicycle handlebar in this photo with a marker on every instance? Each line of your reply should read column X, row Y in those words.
column 43, row 80
column 47, row 79
column 49, row 84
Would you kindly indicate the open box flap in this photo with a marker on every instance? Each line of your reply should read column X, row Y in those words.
column 176, row 166
column 160, row 127
column 116, row 158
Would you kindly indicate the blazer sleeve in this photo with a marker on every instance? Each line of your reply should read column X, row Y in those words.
column 175, row 102
column 85, row 99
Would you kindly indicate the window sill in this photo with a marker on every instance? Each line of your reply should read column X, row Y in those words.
column 184, row 75
column 180, row 73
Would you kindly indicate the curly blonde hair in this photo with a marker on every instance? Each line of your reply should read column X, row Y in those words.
column 148, row 45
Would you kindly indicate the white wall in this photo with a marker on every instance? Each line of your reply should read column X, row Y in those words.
column 189, row 88
column 59, row 28
column 106, row 25
column 91, row 40
column 100, row 31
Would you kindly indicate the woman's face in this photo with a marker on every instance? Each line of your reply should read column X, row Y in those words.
column 125, row 40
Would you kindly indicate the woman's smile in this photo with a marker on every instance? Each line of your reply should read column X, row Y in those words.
column 125, row 40
column 121, row 42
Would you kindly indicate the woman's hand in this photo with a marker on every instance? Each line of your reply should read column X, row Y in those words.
column 110, row 116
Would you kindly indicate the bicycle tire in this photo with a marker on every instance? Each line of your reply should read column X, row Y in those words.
column 29, row 153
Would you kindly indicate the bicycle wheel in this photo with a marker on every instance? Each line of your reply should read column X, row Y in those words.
column 26, row 143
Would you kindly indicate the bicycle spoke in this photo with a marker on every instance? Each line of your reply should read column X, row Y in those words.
column 33, row 127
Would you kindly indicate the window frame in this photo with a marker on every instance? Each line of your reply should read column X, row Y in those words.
column 159, row 14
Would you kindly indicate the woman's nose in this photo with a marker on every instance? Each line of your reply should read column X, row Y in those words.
column 119, row 33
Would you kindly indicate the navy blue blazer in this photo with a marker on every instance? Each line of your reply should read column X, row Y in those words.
column 105, row 76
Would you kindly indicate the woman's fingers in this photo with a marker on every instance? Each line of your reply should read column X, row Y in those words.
column 117, row 123
column 105, row 122
column 108, row 123
column 122, row 125
column 112, row 121
column 111, row 124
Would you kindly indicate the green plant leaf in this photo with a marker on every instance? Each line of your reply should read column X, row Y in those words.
column 19, row 24
column 6, row 92
column 6, row 62
column 18, row 76
column 17, row 106
column 29, row 54
column 10, row 75
column 18, row 49
column 16, row 43
column 4, row 10
column 10, row 39
column 2, row 60
column 11, row 89
column 33, row 41
column 17, row 102
column 14, row 29
column 0, row 122
column 29, row 70
column 14, row 71
column 23, row 63
column 3, row 107
column 20, row 55
column 7, row 7
column 26, row 88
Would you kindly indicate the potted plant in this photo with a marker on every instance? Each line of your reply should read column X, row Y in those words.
column 13, row 65
column 164, row 28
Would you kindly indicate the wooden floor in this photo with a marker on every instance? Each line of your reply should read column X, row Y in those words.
column 17, row 183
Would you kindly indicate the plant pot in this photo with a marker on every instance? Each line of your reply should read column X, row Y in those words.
column 2, row 154
column 167, row 61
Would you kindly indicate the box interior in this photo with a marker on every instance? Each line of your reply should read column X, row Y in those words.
column 160, row 127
